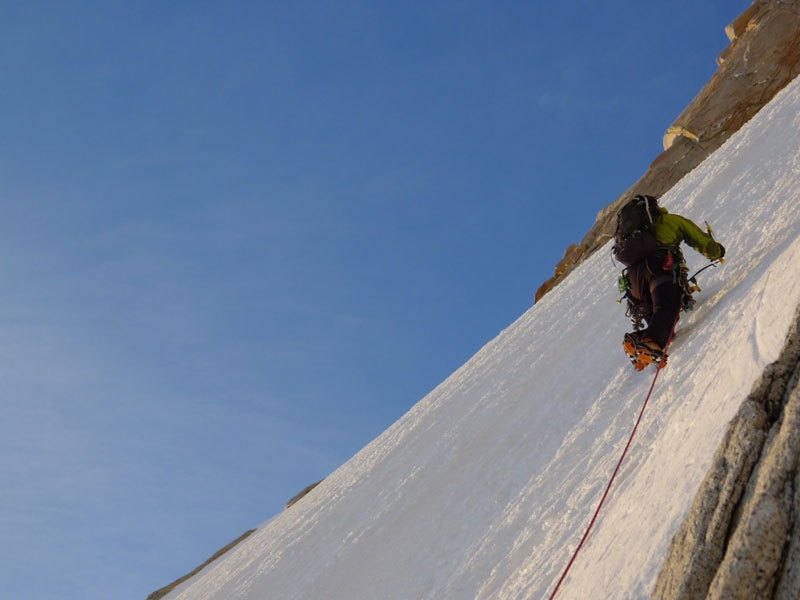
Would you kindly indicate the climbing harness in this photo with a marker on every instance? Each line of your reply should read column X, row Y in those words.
column 639, row 311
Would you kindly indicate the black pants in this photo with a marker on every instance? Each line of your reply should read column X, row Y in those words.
column 653, row 285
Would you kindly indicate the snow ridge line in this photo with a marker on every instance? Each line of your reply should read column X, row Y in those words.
column 589, row 527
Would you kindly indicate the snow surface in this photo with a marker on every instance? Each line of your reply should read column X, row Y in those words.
column 485, row 487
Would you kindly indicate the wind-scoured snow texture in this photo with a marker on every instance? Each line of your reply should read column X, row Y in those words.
column 484, row 488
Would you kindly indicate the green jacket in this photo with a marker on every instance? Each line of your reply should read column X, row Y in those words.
column 670, row 230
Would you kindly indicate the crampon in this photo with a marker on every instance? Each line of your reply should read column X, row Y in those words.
column 643, row 352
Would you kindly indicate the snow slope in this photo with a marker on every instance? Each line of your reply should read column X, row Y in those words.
column 484, row 488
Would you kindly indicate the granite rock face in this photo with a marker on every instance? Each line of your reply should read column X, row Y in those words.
column 741, row 539
column 762, row 57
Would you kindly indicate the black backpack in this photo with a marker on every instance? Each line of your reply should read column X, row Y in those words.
column 633, row 238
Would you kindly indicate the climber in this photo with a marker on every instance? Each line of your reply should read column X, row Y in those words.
column 647, row 242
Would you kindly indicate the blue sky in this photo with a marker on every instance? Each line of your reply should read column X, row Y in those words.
column 240, row 239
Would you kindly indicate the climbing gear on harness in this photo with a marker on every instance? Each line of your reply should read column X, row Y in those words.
column 623, row 283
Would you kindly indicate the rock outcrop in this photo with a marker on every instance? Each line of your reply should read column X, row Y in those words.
column 158, row 594
column 762, row 57
column 301, row 494
column 167, row 589
column 741, row 539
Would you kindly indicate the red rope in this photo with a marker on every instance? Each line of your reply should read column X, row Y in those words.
column 616, row 469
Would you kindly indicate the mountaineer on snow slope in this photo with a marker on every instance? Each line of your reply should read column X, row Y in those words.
column 655, row 280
